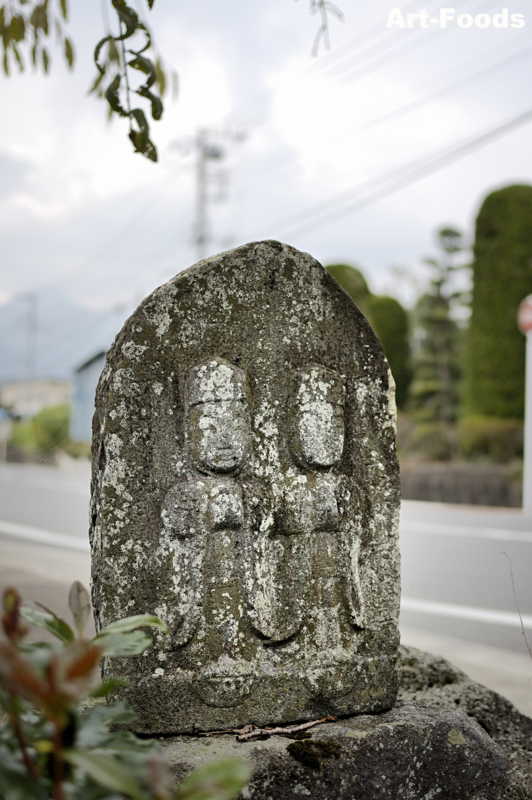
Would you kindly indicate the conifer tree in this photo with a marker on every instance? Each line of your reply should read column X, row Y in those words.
column 434, row 390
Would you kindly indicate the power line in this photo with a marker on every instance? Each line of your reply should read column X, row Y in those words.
column 293, row 160
column 116, row 236
column 324, row 63
column 392, row 53
column 413, row 105
column 422, row 101
column 405, row 48
column 395, row 184
column 339, row 57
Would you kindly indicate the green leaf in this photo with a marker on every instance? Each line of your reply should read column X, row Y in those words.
column 39, row 652
column 146, row 66
column 147, row 43
column 93, row 728
column 123, row 644
column 17, row 28
column 156, row 103
column 113, row 54
column 142, row 144
column 49, row 621
column 124, row 742
column 45, row 60
column 128, row 17
column 106, row 687
column 5, row 699
column 6, row 63
column 69, row 53
column 97, row 51
column 64, row 9
column 39, row 18
column 112, row 97
column 80, row 604
column 18, row 57
column 15, row 784
column 106, row 771
column 150, row 4
column 98, row 79
column 140, row 620
column 219, row 780
column 161, row 77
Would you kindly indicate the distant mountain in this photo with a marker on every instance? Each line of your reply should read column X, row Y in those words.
column 66, row 335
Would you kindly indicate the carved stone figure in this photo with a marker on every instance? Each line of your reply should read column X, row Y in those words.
column 245, row 489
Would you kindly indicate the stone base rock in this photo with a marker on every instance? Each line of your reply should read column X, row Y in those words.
column 434, row 682
column 411, row 752
column 447, row 737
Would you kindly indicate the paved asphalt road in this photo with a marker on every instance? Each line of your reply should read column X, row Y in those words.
column 455, row 579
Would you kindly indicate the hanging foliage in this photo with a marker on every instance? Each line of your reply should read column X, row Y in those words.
column 23, row 22
column 29, row 23
column 111, row 56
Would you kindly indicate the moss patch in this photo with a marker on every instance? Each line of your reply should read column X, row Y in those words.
column 312, row 753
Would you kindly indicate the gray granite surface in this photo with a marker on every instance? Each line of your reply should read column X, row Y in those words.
column 245, row 489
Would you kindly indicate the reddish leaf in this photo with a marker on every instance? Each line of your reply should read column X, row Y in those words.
column 11, row 622
column 20, row 676
column 83, row 666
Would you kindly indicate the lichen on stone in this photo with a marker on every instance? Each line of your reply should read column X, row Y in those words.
column 245, row 488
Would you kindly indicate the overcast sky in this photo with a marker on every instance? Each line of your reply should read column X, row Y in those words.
column 81, row 213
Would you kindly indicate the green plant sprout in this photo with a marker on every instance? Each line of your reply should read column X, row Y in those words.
column 49, row 748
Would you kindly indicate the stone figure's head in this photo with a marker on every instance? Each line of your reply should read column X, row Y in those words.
column 316, row 421
column 217, row 419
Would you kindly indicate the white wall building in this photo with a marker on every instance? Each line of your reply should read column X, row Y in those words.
column 26, row 398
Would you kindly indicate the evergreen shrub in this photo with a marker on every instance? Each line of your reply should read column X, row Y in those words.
column 431, row 441
column 390, row 322
column 502, row 278
column 388, row 319
column 46, row 432
column 353, row 282
column 491, row 438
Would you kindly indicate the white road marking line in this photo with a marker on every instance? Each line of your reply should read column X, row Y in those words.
column 44, row 537
column 440, row 529
column 64, row 485
column 492, row 616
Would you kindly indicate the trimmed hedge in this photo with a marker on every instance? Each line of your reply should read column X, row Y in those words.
column 390, row 322
column 494, row 379
column 491, row 438
column 388, row 319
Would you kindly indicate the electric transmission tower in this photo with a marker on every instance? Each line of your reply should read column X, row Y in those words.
column 210, row 149
column 206, row 152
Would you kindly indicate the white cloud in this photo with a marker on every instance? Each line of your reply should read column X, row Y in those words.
column 78, row 208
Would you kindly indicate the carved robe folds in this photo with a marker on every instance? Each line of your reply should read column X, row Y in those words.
column 284, row 562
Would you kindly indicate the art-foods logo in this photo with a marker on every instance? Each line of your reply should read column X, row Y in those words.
column 448, row 17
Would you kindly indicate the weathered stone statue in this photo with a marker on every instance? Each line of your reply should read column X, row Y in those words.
column 245, row 489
